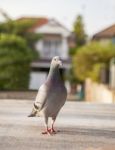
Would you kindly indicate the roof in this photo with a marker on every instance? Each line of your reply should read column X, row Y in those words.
column 106, row 33
column 39, row 21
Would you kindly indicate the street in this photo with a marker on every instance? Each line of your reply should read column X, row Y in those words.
column 83, row 126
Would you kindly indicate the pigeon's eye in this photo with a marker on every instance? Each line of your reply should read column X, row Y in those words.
column 55, row 59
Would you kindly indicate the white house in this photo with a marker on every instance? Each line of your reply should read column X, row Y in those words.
column 54, row 42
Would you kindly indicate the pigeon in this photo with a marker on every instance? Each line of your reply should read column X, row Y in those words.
column 51, row 96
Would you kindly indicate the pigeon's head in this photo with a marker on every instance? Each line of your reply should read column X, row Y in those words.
column 56, row 62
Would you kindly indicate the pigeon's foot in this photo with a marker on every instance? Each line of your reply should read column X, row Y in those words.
column 48, row 131
column 54, row 131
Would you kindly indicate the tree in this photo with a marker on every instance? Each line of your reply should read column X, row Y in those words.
column 79, row 31
column 20, row 28
column 90, row 58
column 80, row 39
column 78, row 34
column 15, row 59
column 16, row 53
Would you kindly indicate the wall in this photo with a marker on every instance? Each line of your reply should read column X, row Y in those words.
column 98, row 93
column 37, row 79
column 25, row 95
column 29, row 95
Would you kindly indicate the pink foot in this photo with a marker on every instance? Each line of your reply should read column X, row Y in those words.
column 53, row 131
column 47, row 132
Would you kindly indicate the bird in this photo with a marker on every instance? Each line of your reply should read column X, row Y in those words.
column 51, row 96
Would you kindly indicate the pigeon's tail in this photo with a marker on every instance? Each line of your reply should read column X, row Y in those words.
column 34, row 111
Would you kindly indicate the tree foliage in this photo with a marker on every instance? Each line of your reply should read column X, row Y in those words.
column 90, row 58
column 21, row 28
column 78, row 29
column 80, row 40
column 16, row 53
column 15, row 58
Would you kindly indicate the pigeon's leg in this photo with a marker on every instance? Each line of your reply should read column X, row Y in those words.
column 52, row 126
column 47, row 131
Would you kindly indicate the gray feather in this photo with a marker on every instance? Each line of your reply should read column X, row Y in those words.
column 52, row 94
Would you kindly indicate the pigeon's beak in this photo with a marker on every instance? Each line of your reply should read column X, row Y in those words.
column 60, row 63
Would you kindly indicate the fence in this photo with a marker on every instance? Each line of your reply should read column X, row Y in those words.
column 99, row 93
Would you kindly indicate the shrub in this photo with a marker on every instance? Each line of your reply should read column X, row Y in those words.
column 15, row 59
column 90, row 58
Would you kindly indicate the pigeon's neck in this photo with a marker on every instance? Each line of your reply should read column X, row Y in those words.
column 54, row 75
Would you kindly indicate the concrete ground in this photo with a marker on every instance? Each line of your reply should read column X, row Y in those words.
column 82, row 126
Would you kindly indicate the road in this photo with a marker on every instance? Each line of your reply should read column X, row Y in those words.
column 82, row 126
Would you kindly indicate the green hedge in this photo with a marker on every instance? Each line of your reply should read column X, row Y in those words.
column 15, row 59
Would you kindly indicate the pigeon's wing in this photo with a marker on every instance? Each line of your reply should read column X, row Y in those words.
column 40, row 100
column 41, row 97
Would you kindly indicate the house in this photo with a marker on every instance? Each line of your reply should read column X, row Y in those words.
column 54, row 42
column 106, row 35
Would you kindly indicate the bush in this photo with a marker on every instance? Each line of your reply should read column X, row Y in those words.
column 90, row 58
column 15, row 59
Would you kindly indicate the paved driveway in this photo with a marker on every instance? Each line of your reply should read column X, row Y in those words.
column 82, row 127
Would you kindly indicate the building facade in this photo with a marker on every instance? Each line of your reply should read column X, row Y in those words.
column 54, row 42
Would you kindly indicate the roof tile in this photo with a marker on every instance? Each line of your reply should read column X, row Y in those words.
column 106, row 33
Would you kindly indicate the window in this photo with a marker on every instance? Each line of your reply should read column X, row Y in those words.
column 52, row 48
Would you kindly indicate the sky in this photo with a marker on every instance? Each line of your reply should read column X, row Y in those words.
column 97, row 14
